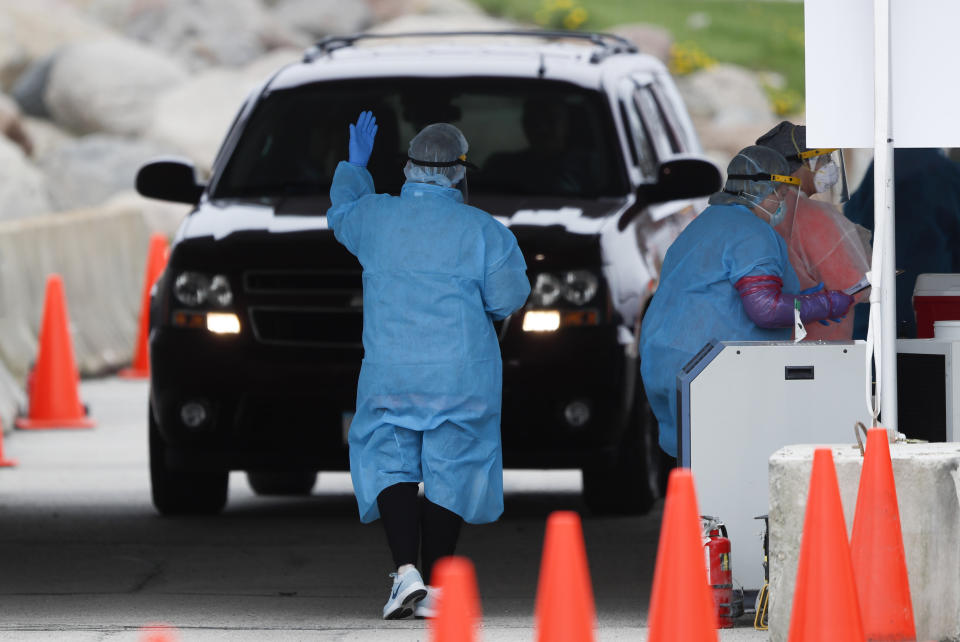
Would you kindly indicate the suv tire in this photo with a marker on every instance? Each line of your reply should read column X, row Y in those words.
column 633, row 481
column 183, row 493
column 286, row 483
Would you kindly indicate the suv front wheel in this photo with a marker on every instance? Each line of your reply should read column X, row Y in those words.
column 633, row 481
column 183, row 492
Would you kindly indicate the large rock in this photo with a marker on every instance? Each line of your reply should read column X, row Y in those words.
column 317, row 18
column 31, row 86
column 30, row 30
column 23, row 189
column 11, row 125
column 87, row 171
column 108, row 86
column 650, row 39
column 45, row 137
column 193, row 118
column 725, row 95
column 444, row 22
column 389, row 9
column 729, row 109
column 202, row 33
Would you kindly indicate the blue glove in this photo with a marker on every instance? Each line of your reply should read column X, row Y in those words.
column 361, row 138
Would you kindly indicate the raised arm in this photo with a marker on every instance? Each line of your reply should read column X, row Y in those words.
column 352, row 181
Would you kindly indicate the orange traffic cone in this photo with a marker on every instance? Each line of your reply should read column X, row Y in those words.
column 158, row 633
column 564, row 610
column 156, row 261
column 825, row 596
column 4, row 462
column 681, row 607
column 54, row 395
column 879, row 563
column 458, row 603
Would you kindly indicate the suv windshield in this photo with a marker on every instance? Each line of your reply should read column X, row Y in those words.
column 528, row 137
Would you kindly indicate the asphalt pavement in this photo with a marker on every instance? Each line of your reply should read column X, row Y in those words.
column 84, row 556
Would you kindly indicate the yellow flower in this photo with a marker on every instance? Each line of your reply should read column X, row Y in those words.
column 575, row 18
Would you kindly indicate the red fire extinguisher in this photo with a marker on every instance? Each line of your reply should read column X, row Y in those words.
column 716, row 548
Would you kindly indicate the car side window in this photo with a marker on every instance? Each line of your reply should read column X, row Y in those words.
column 659, row 132
column 668, row 109
column 645, row 154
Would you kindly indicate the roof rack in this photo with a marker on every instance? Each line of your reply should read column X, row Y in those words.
column 609, row 43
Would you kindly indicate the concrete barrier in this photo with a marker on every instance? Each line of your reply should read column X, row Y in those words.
column 928, row 496
column 101, row 254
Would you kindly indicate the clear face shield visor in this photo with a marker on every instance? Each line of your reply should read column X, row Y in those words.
column 829, row 174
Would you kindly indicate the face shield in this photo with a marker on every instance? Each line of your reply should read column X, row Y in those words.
column 829, row 173
column 438, row 155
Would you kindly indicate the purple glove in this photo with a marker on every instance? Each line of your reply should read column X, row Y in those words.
column 768, row 307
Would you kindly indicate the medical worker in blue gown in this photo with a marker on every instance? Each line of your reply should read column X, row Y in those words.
column 726, row 277
column 436, row 274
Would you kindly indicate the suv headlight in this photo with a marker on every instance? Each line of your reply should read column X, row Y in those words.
column 580, row 286
column 546, row 290
column 195, row 288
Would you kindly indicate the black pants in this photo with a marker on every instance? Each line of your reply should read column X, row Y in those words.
column 415, row 523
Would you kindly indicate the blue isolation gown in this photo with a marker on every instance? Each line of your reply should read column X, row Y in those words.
column 696, row 300
column 436, row 274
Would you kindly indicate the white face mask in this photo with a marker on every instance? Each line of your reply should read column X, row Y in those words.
column 826, row 177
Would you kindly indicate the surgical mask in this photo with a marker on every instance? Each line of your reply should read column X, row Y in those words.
column 826, row 177
column 776, row 217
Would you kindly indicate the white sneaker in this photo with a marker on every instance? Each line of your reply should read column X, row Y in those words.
column 427, row 607
column 408, row 589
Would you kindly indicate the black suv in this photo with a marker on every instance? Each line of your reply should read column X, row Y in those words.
column 584, row 150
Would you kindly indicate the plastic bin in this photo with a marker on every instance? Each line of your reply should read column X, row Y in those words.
column 936, row 297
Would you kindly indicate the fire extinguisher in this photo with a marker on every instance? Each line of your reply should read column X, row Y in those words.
column 716, row 548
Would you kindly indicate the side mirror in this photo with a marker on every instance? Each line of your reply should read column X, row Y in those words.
column 169, row 179
column 676, row 179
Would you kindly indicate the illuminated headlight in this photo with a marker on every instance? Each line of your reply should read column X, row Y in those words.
column 580, row 286
column 546, row 290
column 541, row 320
column 223, row 323
column 195, row 288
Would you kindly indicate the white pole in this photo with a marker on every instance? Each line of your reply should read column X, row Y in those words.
column 886, row 357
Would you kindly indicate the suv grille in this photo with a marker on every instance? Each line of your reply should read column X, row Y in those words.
column 305, row 282
column 320, row 308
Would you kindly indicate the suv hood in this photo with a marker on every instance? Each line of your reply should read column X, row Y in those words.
column 219, row 219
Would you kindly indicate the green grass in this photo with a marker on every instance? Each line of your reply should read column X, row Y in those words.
column 765, row 36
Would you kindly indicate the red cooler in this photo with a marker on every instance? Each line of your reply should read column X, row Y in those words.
column 936, row 297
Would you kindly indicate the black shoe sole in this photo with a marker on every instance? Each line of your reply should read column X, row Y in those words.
column 406, row 607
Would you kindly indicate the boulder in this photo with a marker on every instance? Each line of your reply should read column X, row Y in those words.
column 11, row 124
column 108, row 86
column 193, row 117
column 31, row 85
column 649, row 39
column 318, row 18
column 44, row 136
column 23, row 189
column 205, row 33
column 729, row 109
column 389, row 9
column 443, row 22
column 87, row 171
column 725, row 95
column 31, row 30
